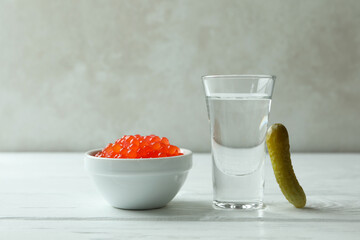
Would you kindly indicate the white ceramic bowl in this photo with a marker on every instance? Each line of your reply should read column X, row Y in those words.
column 138, row 183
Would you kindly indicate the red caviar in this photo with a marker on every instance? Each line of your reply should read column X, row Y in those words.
column 137, row 146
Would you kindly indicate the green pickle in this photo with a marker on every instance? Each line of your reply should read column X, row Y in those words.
column 277, row 140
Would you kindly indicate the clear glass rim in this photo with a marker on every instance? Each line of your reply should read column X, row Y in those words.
column 239, row 76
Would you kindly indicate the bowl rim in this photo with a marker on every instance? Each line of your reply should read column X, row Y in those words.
column 90, row 154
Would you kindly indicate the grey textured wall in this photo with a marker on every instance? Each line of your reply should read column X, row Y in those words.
column 78, row 74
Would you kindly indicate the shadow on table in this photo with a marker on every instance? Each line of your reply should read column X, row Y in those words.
column 327, row 206
column 316, row 209
column 199, row 210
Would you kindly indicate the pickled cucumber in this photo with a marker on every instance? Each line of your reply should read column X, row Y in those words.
column 277, row 140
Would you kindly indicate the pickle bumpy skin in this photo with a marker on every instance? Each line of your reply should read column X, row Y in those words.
column 277, row 140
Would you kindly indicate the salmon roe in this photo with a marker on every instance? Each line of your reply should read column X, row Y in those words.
column 137, row 146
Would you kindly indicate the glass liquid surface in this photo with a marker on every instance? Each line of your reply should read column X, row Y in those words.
column 238, row 128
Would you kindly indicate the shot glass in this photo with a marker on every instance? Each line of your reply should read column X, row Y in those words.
column 238, row 110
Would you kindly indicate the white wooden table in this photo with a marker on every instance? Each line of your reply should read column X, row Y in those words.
column 49, row 196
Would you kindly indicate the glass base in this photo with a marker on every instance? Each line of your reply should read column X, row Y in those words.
column 237, row 205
